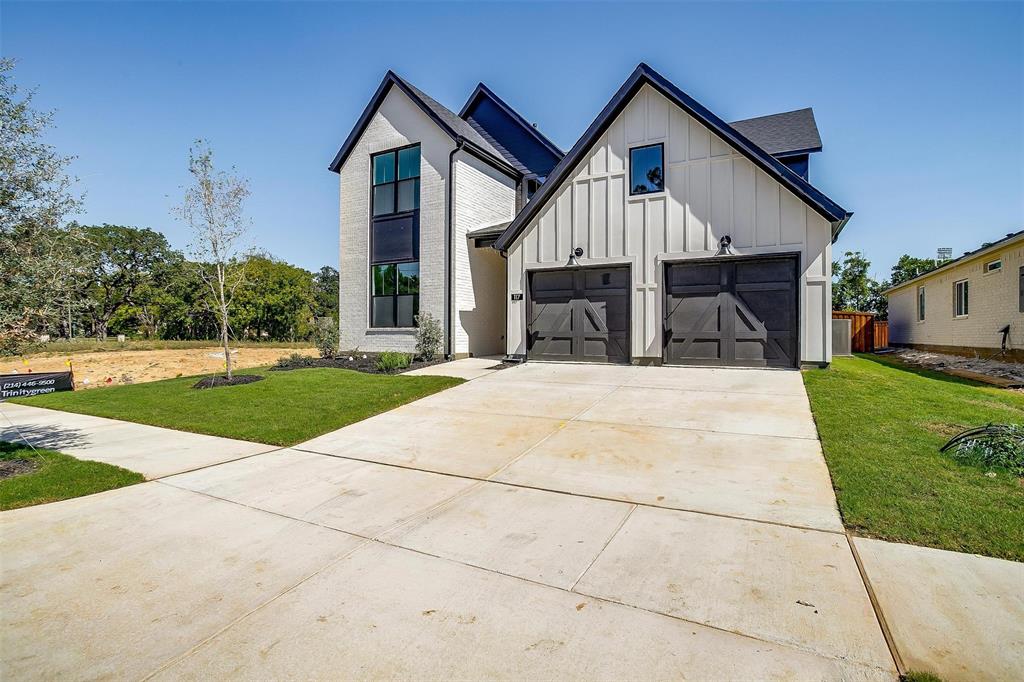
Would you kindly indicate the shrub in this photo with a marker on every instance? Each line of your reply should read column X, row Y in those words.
column 295, row 360
column 325, row 336
column 389, row 361
column 995, row 445
column 428, row 336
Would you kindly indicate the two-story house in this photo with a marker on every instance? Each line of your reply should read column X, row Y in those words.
column 664, row 235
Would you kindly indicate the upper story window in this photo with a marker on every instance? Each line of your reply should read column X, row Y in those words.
column 647, row 169
column 920, row 304
column 396, row 181
column 994, row 265
column 961, row 298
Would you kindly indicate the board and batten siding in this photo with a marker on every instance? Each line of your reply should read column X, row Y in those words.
column 397, row 122
column 483, row 196
column 711, row 191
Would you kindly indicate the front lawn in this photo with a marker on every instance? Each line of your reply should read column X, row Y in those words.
column 881, row 426
column 284, row 408
column 56, row 477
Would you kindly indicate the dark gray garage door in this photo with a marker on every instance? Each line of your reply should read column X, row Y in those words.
column 740, row 312
column 579, row 314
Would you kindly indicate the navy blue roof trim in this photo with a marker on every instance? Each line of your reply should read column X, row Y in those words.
column 645, row 75
column 446, row 120
column 484, row 91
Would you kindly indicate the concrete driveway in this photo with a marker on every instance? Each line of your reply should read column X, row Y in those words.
column 545, row 521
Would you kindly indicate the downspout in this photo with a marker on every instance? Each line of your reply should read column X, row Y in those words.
column 448, row 251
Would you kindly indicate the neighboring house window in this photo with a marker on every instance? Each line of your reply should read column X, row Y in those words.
column 920, row 304
column 993, row 265
column 395, row 237
column 646, row 169
column 961, row 292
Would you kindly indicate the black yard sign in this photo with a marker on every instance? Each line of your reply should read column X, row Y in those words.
column 25, row 385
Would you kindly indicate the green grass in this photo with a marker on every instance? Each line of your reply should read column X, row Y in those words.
column 59, row 477
column 918, row 676
column 284, row 408
column 881, row 426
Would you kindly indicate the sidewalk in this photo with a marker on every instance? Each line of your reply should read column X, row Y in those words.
column 150, row 450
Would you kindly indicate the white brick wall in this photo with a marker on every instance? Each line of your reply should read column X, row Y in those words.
column 993, row 301
column 483, row 196
column 397, row 122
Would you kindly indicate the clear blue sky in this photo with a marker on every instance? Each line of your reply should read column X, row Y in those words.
column 920, row 105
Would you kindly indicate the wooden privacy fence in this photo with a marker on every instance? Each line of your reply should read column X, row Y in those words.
column 881, row 334
column 866, row 333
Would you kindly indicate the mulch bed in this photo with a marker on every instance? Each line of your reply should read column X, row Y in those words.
column 237, row 380
column 9, row 468
column 360, row 362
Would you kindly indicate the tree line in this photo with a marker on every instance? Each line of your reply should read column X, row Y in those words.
column 853, row 288
column 130, row 281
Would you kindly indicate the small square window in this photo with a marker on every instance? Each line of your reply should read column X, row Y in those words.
column 993, row 265
column 646, row 169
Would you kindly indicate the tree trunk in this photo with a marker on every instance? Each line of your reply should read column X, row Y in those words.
column 224, row 325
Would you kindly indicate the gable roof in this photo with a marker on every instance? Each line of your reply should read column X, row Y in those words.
column 981, row 251
column 791, row 132
column 456, row 128
column 645, row 75
column 522, row 144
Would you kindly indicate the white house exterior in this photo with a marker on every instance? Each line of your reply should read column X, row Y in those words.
column 963, row 306
column 664, row 235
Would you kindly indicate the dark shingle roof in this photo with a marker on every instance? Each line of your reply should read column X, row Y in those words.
column 453, row 121
column 445, row 119
column 779, row 134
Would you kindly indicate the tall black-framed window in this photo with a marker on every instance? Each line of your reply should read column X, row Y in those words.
column 394, row 237
column 396, row 294
column 647, row 169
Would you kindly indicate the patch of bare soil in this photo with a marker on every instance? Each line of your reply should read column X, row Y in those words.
column 940, row 361
column 237, row 380
column 9, row 468
column 96, row 369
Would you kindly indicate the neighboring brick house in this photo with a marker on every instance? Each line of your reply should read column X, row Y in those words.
column 964, row 305
column 664, row 235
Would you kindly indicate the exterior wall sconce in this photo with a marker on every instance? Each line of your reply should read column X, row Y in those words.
column 573, row 255
column 725, row 246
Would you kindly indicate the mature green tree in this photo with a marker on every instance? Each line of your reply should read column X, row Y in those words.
column 121, row 260
column 909, row 267
column 276, row 302
column 38, row 251
column 325, row 289
column 854, row 289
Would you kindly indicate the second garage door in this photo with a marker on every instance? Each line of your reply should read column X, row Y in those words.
column 738, row 312
column 579, row 314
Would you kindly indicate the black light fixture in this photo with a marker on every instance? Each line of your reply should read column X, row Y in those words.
column 573, row 255
column 725, row 246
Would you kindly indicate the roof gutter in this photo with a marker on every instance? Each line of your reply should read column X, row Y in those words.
column 449, row 247
column 838, row 225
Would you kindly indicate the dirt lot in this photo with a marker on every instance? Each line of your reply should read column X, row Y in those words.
column 95, row 369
